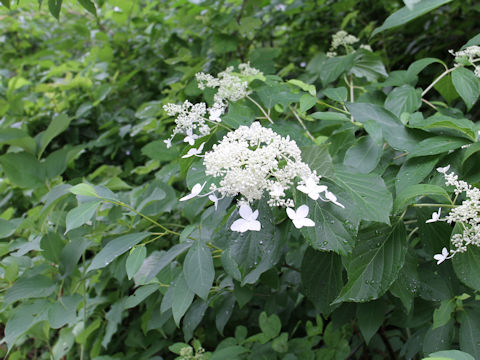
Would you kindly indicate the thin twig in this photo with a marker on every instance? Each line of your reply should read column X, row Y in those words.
column 446, row 72
column 429, row 104
column 303, row 125
column 261, row 109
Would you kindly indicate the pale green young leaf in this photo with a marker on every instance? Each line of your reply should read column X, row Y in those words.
column 135, row 260
column 84, row 190
column 81, row 214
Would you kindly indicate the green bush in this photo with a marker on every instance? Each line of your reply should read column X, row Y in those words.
column 112, row 248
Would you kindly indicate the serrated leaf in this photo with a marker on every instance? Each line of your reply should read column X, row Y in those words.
column 368, row 191
column 403, row 99
column 198, row 270
column 135, row 260
column 467, row 85
column 321, row 275
column 409, row 195
column 115, row 248
column 437, row 145
column 81, row 214
column 374, row 263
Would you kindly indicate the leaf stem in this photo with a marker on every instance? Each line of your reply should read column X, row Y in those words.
column 331, row 106
column 302, row 123
column 434, row 205
column 261, row 109
column 446, row 72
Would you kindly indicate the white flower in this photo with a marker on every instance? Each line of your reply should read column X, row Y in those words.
column 194, row 152
column 299, row 217
column 442, row 257
column 251, row 161
column 248, row 221
column 216, row 111
column 168, row 142
column 435, row 216
column 311, row 187
column 214, row 198
column 331, row 197
column 197, row 188
column 443, row 170
column 190, row 138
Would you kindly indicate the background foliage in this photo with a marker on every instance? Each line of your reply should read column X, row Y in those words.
column 87, row 268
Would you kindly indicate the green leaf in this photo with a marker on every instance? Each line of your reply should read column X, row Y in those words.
column 413, row 171
column 446, row 125
column 436, row 145
column 52, row 245
column 364, row 155
column 63, row 311
column 182, row 298
column 374, row 263
column 445, row 87
column 403, row 99
column 473, row 41
column 193, row 318
column 89, row 6
column 83, row 336
column 470, row 332
column 26, row 288
column 443, row 314
column 135, row 260
column 307, row 101
column 467, row 267
column 55, row 6
column 409, row 195
column 318, row 159
column 84, row 190
column 333, row 67
column 115, row 248
column 450, row 355
column 140, row 294
column 59, row 123
column 198, row 270
column 368, row 65
column 17, row 137
column 6, row 3
column 238, row 115
column 394, row 132
column 321, row 275
column 330, row 116
column 81, row 214
column 371, row 197
column 305, row 87
column 157, row 150
column 404, row 15
column 230, row 352
column 438, row 339
column 23, row 318
column 334, row 226
column 6, row 228
column 23, row 169
column 370, row 316
column 467, row 85
column 270, row 325
column 417, row 66
column 338, row 94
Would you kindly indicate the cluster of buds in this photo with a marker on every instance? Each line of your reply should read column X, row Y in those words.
column 470, row 57
column 345, row 40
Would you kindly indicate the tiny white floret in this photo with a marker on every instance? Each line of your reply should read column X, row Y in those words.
column 214, row 198
column 331, row 197
column 441, row 257
column 443, row 170
column 168, row 142
column 197, row 188
column 194, row 152
column 248, row 220
column 299, row 217
column 190, row 138
column 435, row 216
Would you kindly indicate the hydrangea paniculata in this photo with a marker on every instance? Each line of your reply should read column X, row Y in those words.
column 469, row 56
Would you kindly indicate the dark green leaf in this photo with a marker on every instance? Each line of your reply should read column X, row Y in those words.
column 89, row 6
column 321, row 278
column 182, row 298
column 374, row 263
column 364, row 155
column 436, row 145
column 443, row 314
column 338, row 94
column 198, row 270
column 26, row 288
column 413, row 171
column 403, row 99
column 470, row 332
column 115, row 248
column 63, row 311
column 370, row 316
column 467, row 267
column 55, row 6
column 409, row 195
column 60, row 122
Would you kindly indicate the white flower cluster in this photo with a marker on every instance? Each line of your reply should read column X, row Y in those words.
column 255, row 160
column 192, row 119
column 467, row 214
column 469, row 56
column 345, row 40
